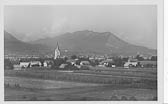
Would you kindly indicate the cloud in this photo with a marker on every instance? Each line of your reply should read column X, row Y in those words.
column 58, row 25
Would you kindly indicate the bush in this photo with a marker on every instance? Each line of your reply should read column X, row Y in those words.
column 71, row 67
column 33, row 98
column 114, row 98
column 124, row 98
column 7, row 64
column 17, row 86
column 48, row 99
column 132, row 98
column 58, row 62
column 84, row 68
column 73, row 57
column 6, row 85
column 154, row 98
column 24, row 97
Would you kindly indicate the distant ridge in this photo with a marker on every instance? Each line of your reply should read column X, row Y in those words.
column 94, row 42
column 14, row 46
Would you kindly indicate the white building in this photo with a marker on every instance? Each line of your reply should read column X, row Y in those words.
column 35, row 63
column 24, row 64
column 84, row 63
column 45, row 64
column 48, row 63
column 63, row 66
column 131, row 63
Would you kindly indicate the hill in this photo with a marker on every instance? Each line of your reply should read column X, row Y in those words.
column 89, row 42
column 14, row 46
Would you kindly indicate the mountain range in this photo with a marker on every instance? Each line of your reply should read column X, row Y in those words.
column 86, row 42
column 14, row 46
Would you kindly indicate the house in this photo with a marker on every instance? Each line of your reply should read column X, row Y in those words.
column 24, row 64
column 62, row 66
column 108, row 63
column 72, row 61
column 84, row 63
column 131, row 63
column 35, row 64
column 113, row 66
column 47, row 63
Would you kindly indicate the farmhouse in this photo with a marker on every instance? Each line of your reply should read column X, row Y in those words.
column 108, row 63
column 35, row 63
column 48, row 63
column 131, row 63
column 24, row 64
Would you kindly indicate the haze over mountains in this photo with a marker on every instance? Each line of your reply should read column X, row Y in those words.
column 14, row 46
column 87, row 42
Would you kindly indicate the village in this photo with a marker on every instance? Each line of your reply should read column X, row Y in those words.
column 81, row 62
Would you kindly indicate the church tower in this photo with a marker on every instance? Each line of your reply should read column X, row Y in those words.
column 57, row 52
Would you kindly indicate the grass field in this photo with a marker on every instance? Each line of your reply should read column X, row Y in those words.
column 81, row 85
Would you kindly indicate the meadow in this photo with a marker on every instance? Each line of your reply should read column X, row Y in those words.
column 99, row 84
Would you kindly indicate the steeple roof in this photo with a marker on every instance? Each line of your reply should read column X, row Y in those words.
column 57, row 46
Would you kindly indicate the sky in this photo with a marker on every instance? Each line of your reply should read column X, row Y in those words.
column 136, row 24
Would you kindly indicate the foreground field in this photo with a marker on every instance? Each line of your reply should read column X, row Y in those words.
column 80, row 85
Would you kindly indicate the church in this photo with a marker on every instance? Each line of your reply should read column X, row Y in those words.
column 57, row 53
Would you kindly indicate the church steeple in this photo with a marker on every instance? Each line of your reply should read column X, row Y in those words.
column 57, row 52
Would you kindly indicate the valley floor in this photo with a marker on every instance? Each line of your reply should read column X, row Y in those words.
column 20, row 88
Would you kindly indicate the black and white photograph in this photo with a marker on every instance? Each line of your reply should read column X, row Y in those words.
column 81, row 53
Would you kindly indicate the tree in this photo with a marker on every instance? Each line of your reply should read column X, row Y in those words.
column 8, row 64
column 139, row 58
column 114, row 98
column 58, row 62
column 73, row 57
column 94, row 63
column 123, row 98
column 125, row 59
column 71, row 67
column 154, row 98
column 34, row 98
column 41, row 61
column 132, row 98
column 154, row 58
column 139, row 64
column 118, row 62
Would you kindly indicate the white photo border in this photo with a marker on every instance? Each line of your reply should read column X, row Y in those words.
column 160, row 40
